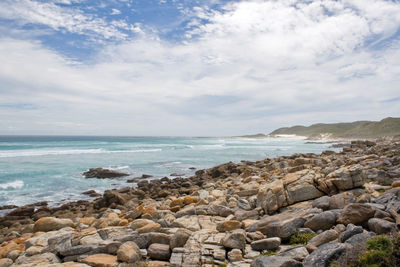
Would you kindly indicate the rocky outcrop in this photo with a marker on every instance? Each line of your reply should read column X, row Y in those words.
column 103, row 173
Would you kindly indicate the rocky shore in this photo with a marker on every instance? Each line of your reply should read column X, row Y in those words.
column 298, row 210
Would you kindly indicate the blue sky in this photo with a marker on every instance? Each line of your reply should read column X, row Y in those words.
column 180, row 67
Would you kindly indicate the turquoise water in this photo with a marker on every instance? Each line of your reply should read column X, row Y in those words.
column 46, row 168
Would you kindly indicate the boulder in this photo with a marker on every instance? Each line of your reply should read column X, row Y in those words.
column 103, row 173
column 129, row 252
column 219, row 210
column 101, row 260
column 269, row 243
column 325, row 254
column 159, row 251
column 356, row 213
column 322, row 221
column 339, row 201
column 360, row 239
column 235, row 239
column 5, row 262
column 47, row 224
column 275, row 261
column 381, row 226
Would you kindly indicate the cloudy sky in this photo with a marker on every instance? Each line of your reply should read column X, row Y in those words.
column 186, row 67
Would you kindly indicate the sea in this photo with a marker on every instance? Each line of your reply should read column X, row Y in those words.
column 49, row 168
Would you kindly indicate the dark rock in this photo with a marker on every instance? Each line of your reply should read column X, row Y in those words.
column 159, row 251
column 275, row 261
column 102, row 173
column 268, row 243
column 360, row 239
column 351, row 230
column 27, row 211
column 321, row 203
column 325, row 254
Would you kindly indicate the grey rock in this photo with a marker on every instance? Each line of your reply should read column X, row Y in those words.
column 244, row 214
column 351, row 230
column 268, row 243
column 44, row 258
column 381, row 226
column 356, row 213
column 235, row 239
column 219, row 210
column 321, row 203
column 179, row 238
column 325, row 254
column 244, row 204
column 360, row 239
column 322, row 221
column 298, row 253
column 275, row 261
column 277, row 226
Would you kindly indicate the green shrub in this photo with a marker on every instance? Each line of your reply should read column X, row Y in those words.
column 300, row 239
column 382, row 251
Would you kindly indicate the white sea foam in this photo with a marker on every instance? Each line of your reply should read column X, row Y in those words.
column 46, row 152
column 17, row 184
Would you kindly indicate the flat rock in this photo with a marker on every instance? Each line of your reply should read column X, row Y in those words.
column 228, row 225
column 102, row 173
column 267, row 243
column 40, row 259
column 101, row 260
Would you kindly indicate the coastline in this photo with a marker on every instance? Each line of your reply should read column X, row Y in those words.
column 256, row 201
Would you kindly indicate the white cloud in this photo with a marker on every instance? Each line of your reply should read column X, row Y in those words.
column 256, row 66
column 58, row 17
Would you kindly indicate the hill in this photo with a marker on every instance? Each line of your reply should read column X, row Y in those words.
column 359, row 129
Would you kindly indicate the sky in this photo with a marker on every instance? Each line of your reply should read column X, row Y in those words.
column 195, row 68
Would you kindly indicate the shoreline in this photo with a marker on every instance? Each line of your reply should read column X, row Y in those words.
column 243, row 207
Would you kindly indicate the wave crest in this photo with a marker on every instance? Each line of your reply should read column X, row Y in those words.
column 17, row 184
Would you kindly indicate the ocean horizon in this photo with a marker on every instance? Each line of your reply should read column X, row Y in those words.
column 35, row 168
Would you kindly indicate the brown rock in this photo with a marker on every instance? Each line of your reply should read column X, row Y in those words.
column 356, row 213
column 101, row 260
column 150, row 227
column 159, row 251
column 396, row 184
column 47, row 224
column 228, row 225
column 129, row 252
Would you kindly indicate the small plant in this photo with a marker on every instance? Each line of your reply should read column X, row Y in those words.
column 300, row 239
column 222, row 265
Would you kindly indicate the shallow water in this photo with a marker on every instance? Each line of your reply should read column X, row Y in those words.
column 44, row 168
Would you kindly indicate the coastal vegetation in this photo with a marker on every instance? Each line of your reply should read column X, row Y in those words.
column 352, row 130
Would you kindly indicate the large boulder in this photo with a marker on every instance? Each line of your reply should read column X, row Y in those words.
column 103, row 173
column 322, row 238
column 300, row 186
column 275, row 261
column 342, row 179
column 179, row 238
column 356, row 213
column 47, row 224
